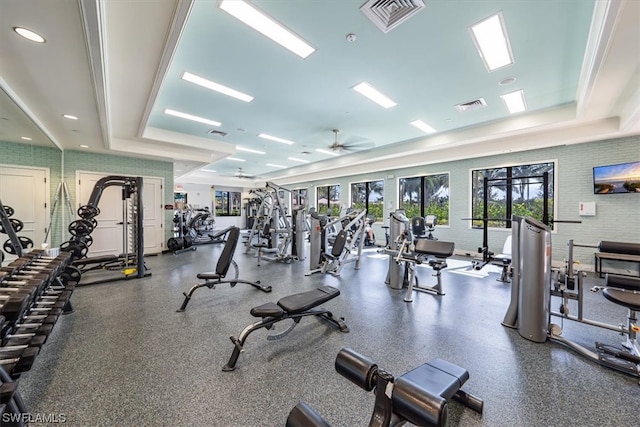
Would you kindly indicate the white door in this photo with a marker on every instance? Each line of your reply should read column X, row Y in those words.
column 26, row 190
column 108, row 237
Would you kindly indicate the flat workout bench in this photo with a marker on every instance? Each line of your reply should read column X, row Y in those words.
column 419, row 396
column 293, row 307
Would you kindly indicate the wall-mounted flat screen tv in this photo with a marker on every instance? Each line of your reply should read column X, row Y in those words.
column 616, row 179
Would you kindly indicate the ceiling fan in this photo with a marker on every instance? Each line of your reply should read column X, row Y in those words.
column 338, row 147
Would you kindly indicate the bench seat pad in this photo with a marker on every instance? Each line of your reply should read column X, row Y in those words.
column 436, row 248
column 267, row 310
column 211, row 275
column 628, row 299
column 622, row 282
column 298, row 303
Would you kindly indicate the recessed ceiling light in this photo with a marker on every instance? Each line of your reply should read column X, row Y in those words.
column 216, row 87
column 235, row 159
column 298, row 160
column 69, row 116
column 267, row 26
column 249, row 150
column 191, row 117
column 208, row 170
column 26, row 138
column 275, row 138
column 275, row 166
column 514, row 101
column 373, row 94
column 178, row 170
column 29, row 35
column 507, row 81
column 491, row 40
column 83, row 146
column 331, row 153
column 423, row 126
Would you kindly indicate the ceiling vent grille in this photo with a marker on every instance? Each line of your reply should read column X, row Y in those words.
column 388, row 14
column 471, row 105
column 217, row 132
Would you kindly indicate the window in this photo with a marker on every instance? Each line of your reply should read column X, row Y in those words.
column 228, row 203
column 328, row 200
column 426, row 195
column 298, row 198
column 369, row 196
column 512, row 190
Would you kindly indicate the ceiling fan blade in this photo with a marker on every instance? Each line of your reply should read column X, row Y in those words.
column 360, row 146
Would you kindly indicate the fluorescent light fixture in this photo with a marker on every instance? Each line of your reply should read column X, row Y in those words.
column 373, row 94
column 208, row 170
column 275, row 138
column 331, row 153
column 235, row 159
column 267, row 26
column 491, row 40
column 249, row 150
column 29, row 35
column 217, row 87
column 273, row 165
column 298, row 160
column 191, row 117
column 514, row 101
column 69, row 116
column 26, row 138
column 423, row 126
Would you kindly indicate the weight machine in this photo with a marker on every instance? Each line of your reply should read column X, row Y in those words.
column 535, row 283
column 349, row 239
column 281, row 233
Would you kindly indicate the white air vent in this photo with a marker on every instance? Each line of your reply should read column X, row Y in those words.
column 217, row 132
column 471, row 105
column 388, row 14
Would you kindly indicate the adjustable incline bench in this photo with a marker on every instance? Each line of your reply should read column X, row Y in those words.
column 217, row 277
column 419, row 396
column 293, row 307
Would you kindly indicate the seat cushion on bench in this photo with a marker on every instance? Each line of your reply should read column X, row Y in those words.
column 211, row 275
column 436, row 248
column 267, row 310
column 622, row 282
column 297, row 303
column 420, row 394
column 628, row 299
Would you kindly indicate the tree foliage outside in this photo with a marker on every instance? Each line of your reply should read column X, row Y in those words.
column 426, row 195
column 370, row 196
column 525, row 194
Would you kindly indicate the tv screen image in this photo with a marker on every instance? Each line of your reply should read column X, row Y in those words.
column 616, row 179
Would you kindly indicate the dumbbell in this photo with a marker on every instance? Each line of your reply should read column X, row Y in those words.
column 16, row 362
column 12, row 307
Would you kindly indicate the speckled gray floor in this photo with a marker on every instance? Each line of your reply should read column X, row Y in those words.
column 127, row 358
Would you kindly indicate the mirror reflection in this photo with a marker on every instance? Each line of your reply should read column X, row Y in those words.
column 30, row 178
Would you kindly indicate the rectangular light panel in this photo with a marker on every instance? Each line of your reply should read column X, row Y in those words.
column 235, row 159
column 216, row 87
column 267, row 26
column 273, row 165
column 514, row 101
column 249, row 150
column 275, row 138
column 297, row 160
column 191, row 117
column 331, row 153
column 422, row 126
column 373, row 94
column 492, row 42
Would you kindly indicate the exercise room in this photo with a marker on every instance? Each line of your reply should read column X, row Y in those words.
column 319, row 213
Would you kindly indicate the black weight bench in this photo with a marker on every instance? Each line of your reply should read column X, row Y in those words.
column 293, row 307
column 211, row 279
column 419, row 396
column 435, row 253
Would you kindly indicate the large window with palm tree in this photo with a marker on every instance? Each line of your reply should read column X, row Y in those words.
column 328, row 200
column 425, row 195
column 512, row 190
column 369, row 195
